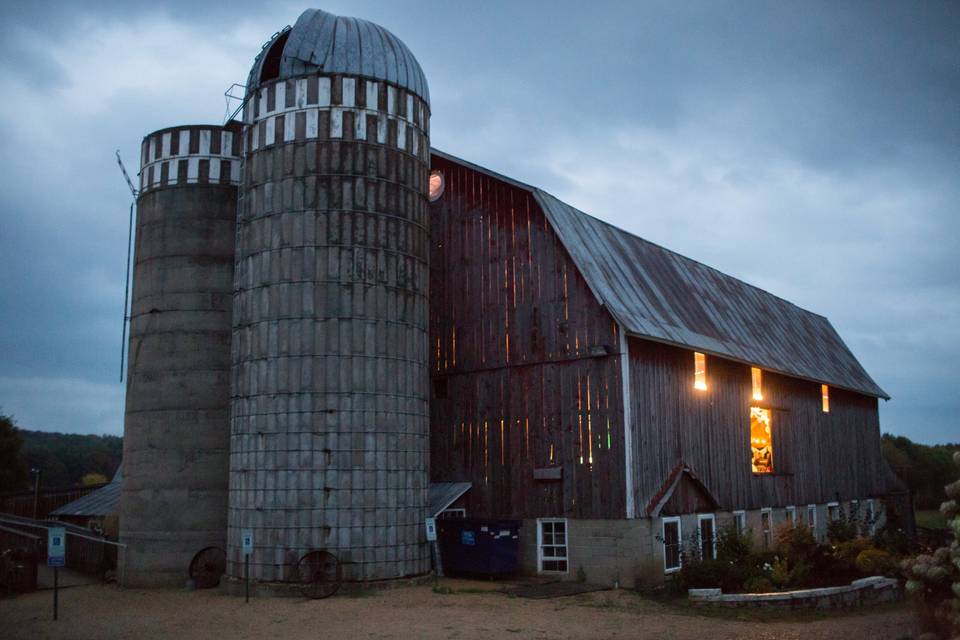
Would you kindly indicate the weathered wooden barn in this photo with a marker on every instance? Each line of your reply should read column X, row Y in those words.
column 618, row 397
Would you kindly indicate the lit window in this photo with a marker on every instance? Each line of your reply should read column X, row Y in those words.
column 825, row 394
column 766, row 526
column 791, row 514
column 699, row 371
column 757, row 376
column 671, row 545
column 761, row 440
column 740, row 521
column 552, row 545
column 706, row 533
column 812, row 519
column 437, row 183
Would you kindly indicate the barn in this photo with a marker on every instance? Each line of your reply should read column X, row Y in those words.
column 621, row 399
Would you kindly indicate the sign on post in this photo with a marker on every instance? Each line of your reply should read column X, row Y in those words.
column 56, row 547
column 431, row 529
column 246, row 537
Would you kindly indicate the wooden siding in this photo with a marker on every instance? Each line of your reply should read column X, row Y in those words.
column 817, row 456
column 524, row 360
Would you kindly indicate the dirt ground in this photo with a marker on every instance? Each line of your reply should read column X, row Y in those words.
column 472, row 610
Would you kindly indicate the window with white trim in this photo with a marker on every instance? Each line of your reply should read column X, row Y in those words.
column 707, row 535
column 552, row 545
column 456, row 513
column 672, row 541
column 812, row 518
column 871, row 517
column 740, row 521
column 766, row 526
column 791, row 515
column 833, row 511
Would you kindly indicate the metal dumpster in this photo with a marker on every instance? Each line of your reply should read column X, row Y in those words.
column 479, row 547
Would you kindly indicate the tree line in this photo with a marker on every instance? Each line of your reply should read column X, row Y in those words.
column 925, row 469
column 66, row 460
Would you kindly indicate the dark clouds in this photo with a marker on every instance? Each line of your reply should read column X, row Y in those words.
column 812, row 149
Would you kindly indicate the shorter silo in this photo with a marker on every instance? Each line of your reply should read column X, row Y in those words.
column 176, row 422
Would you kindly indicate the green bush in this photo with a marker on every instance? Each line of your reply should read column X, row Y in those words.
column 874, row 562
column 758, row 584
column 796, row 544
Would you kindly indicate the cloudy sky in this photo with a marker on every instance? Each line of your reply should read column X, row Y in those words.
column 810, row 149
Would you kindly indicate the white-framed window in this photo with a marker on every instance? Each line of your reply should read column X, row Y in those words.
column 766, row 526
column 791, row 515
column 812, row 518
column 740, row 521
column 833, row 511
column 707, row 535
column 871, row 517
column 672, row 542
column 453, row 514
column 552, row 545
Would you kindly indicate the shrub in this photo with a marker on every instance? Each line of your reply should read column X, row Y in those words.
column 795, row 543
column 758, row 584
column 873, row 562
column 933, row 580
column 733, row 546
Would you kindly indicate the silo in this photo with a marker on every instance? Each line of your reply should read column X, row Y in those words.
column 176, row 422
column 329, row 443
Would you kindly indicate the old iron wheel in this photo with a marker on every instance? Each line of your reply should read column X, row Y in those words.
column 207, row 567
column 319, row 574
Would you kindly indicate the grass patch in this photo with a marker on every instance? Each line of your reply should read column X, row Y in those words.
column 360, row 592
column 931, row 519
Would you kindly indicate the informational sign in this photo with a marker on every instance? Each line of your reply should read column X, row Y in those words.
column 468, row 538
column 431, row 529
column 56, row 547
column 247, row 540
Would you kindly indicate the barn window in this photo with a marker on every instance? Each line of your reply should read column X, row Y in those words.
column 757, row 376
column 740, row 521
column 672, row 559
column 871, row 517
column 825, row 395
column 699, row 371
column 706, row 533
column 552, row 545
column 456, row 513
column 761, row 440
column 833, row 511
column 791, row 514
column 766, row 526
column 812, row 519
column 437, row 184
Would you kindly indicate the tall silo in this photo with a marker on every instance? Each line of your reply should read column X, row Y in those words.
column 176, row 423
column 329, row 443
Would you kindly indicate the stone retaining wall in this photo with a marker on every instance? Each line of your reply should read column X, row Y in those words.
column 859, row 592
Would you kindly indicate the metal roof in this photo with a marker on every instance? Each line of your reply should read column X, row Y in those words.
column 658, row 294
column 444, row 494
column 321, row 41
column 104, row 501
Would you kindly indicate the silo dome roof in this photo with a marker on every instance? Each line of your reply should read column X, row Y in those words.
column 321, row 41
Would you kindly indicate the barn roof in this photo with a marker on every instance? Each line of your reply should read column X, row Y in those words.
column 104, row 501
column 321, row 41
column 658, row 294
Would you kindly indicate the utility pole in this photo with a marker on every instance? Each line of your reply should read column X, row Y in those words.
column 36, row 494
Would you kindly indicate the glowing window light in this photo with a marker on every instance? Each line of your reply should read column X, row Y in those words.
column 761, row 440
column 825, row 394
column 757, row 375
column 699, row 371
column 437, row 183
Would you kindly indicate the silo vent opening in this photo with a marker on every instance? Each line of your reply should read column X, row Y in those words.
column 270, row 68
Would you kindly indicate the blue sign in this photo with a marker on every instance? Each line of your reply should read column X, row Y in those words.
column 246, row 538
column 56, row 547
column 468, row 538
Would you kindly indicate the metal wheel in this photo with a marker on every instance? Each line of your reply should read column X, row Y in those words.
column 207, row 567
column 319, row 574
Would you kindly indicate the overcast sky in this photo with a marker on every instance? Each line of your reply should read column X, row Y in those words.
column 808, row 148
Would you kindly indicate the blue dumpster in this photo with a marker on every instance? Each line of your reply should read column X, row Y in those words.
column 479, row 547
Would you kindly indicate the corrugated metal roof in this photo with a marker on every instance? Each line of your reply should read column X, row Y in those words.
column 104, row 501
column 321, row 41
column 444, row 494
column 658, row 294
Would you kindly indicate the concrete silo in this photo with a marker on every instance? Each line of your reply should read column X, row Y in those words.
column 329, row 443
column 176, row 422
